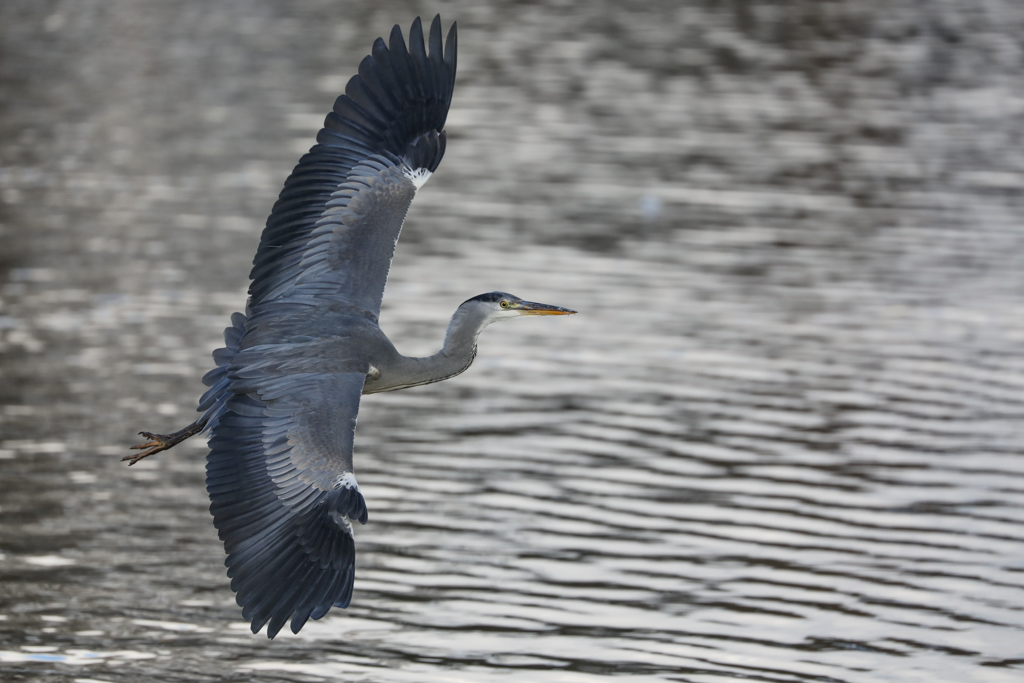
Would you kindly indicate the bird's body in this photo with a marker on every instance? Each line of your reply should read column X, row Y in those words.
column 283, row 398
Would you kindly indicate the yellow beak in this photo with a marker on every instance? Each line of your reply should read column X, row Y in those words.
column 531, row 308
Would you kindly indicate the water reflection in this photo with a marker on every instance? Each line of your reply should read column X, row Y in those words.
column 780, row 442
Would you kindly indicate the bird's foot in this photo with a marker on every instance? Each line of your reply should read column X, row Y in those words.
column 161, row 442
column 156, row 443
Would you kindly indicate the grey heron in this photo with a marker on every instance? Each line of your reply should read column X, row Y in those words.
column 282, row 400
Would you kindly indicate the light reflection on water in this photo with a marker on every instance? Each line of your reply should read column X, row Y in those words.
column 781, row 441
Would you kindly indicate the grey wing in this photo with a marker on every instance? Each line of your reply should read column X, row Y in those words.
column 282, row 494
column 349, row 253
column 343, row 205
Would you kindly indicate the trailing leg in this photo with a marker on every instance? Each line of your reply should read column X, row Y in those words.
column 161, row 442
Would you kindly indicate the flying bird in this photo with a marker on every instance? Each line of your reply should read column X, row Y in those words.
column 282, row 400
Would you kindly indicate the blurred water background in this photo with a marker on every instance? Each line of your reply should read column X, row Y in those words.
column 781, row 442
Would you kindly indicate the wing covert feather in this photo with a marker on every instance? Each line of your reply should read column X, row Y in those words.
column 349, row 252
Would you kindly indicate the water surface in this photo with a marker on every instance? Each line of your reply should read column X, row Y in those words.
column 781, row 442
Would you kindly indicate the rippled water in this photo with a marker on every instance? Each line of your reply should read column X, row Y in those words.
column 781, row 442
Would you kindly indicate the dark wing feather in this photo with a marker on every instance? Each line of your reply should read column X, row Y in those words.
column 279, row 475
column 349, row 251
column 392, row 113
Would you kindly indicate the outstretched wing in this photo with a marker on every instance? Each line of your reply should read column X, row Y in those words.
column 332, row 233
column 283, row 495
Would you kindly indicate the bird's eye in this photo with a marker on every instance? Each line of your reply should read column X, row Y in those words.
column 504, row 304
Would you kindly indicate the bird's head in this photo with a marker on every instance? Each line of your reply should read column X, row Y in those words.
column 494, row 306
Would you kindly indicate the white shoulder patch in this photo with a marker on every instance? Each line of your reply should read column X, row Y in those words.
column 418, row 176
column 347, row 480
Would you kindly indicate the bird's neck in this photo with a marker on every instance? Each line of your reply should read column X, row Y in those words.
column 455, row 356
